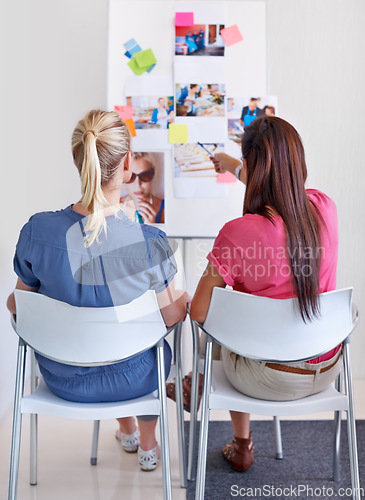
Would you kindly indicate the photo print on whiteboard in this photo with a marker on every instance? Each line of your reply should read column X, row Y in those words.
column 199, row 40
column 143, row 197
column 194, row 173
column 242, row 111
column 200, row 99
column 152, row 112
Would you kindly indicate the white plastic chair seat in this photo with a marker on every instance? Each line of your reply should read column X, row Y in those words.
column 272, row 330
column 88, row 336
column 44, row 402
column 224, row 395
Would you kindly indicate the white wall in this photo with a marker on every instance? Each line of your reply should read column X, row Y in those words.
column 55, row 63
column 54, row 59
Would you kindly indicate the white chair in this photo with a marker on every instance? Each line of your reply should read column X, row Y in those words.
column 87, row 337
column 273, row 330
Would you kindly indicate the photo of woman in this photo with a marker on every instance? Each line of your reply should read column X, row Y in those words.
column 142, row 198
column 162, row 115
column 155, row 112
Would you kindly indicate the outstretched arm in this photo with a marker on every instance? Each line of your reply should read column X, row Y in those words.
column 226, row 163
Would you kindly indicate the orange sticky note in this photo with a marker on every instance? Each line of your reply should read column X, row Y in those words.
column 130, row 125
column 226, row 178
column 231, row 35
column 125, row 112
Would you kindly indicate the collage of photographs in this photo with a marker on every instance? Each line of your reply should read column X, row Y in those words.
column 197, row 99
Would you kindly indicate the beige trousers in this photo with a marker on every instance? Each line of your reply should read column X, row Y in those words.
column 257, row 380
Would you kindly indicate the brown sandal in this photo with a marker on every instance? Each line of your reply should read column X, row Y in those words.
column 170, row 392
column 239, row 453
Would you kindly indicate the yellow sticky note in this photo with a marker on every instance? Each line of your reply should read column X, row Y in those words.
column 145, row 58
column 130, row 125
column 137, row 70
column 178, row 133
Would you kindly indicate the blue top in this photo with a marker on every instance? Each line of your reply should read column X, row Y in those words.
column 126, row 262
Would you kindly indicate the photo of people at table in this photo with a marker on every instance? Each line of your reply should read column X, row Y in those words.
column 143, row 197
column 242, row 111
column 197, row 99
column 152, row 112
column 199, row 40
column 193, row 159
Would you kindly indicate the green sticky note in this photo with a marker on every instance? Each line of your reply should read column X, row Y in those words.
column 137, row 69
column 145, row 58
column 178, row 133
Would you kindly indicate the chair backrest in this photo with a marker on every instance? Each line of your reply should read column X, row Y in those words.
column 273, row 330
column 88, row 335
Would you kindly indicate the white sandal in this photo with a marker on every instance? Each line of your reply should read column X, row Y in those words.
column 148, row 460
column 129, row 442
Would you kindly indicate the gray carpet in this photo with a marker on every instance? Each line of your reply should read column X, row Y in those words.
column 305, row 472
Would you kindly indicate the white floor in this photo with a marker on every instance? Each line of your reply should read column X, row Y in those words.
column 64, row 471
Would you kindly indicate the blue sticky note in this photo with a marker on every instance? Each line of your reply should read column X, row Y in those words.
column 133, row 50
column 128, row 54
column 151, row 68
column 131, row 43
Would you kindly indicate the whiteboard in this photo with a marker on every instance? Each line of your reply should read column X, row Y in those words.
column 151, row 24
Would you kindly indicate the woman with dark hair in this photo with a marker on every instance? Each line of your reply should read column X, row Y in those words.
column 284, row 245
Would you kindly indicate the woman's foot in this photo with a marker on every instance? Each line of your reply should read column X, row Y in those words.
column 239, row 453
column 148, row 460
column 170, row 391
column 129, row 442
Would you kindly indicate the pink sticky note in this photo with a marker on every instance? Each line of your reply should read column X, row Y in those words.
column 226, row 178
column 231, row 35
column 125, row 112
column 184, row 19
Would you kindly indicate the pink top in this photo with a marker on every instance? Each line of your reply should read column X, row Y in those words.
column 251, row 255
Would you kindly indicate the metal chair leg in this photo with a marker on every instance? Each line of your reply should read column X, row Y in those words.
column 33, row 423
column 94, row 446
column 193, row 402
column 203, row 437
column 278, row 441
column 351, row 427
column 17, row 421
column 337, row 437
column 33, row 449
column 164, row 430
column 179, row 405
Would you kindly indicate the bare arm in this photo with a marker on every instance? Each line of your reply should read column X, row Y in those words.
column 10, row 304
column 225, row 163
column 172, row 304
column 203, row 294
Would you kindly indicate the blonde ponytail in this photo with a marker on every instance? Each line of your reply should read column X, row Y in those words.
column 99, row 143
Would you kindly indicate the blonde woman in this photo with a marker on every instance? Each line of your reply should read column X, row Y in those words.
column 125, row 259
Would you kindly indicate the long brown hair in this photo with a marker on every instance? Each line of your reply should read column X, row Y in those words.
column 276, row 173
